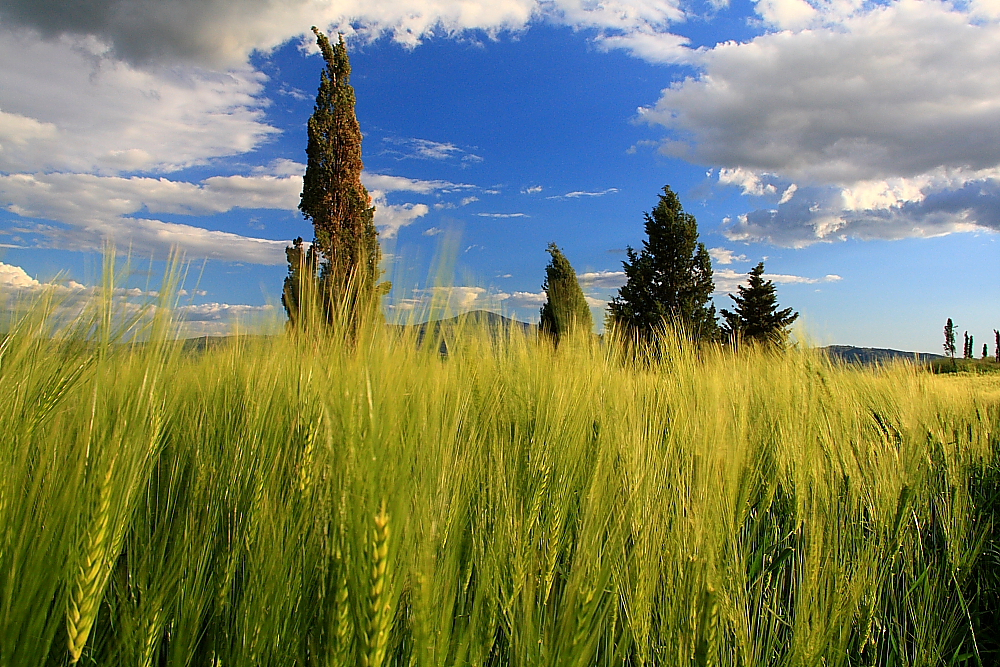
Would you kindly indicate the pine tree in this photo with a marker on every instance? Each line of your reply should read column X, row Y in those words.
column 986, row 350
column 996, row 348
column 345, row 251
column 565, row 309
column 967, row 346
column 756, row 316
column 670, row 280
column 949, row 338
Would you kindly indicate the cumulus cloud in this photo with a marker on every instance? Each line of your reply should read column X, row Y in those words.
column 389, row 218
column 72, row 298
column 605, row 279
column 748, row 181
column 67, row 106
column 866, row 120
column 894, row 92
column 526, row 300
column 725, row 256
column 220, row 312
column 14, row 277
column 96, row 209
column 222, row 33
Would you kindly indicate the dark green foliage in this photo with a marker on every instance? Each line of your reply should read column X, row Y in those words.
column 967, row 349
column 345, row 252
column 996, row 348
column 566, row 308
column 670, row 280
column 986, row 351
column 949, row 338
column 756, row 316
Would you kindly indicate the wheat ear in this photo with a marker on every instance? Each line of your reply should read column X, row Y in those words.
column 342, row 627
column 153, row 631
column 378, row 626
column 91, row 576
column 708, row 625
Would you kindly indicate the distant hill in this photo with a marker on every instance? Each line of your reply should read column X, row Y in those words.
column 876, row 355
column 474, row 318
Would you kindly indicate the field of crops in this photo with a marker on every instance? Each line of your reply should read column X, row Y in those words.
column 299, row 501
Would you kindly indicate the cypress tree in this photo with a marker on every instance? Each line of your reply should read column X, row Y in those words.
column 996, row 348
column 345, row 251
column 986, row 351
column 949, row 338
column 670, row 280
column 565, row 309
column 756, row 316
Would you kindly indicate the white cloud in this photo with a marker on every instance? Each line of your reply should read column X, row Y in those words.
column 502, row 215
column 606, row 279
column 727, row 280
column 725, row 256
column 425, row 149
column 222, row 33
column 14, row 277
column 433, row 231
column 455, row 299
column 468, row 200
column 72, row 298
column 787, row 13
column 386, row 183
column 389, row 218
column 219, row 312
column 582, row 193
column 66, row 107
column 894, row 92
column 875, row 122
column 787, row 195
column 750, row 182
column 526, row 300
column 94, row 209
column 531, row 190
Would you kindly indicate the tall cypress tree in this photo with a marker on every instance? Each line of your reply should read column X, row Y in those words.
column 756, row 316
column 996, row 348
column 949, row 338
column 565, row 309
column 345, row 250
column 669, row 280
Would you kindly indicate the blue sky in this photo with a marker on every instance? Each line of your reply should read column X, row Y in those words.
column 853, row 147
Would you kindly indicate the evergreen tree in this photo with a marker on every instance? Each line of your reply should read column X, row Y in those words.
column 565, row 308
column 967, row 348
column 670, row 280
column 986, row 351
column 996, row 348
column 756, row 316
column 949, row 338
column 345, row 251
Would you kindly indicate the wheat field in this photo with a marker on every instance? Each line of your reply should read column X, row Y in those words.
column 301, row 501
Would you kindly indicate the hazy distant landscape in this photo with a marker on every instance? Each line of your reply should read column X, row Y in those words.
column 481, row 333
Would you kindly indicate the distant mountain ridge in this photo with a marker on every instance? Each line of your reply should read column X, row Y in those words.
column 495, row 323
column 876, row 355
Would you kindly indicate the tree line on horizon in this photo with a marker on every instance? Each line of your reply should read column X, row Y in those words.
column 969, row 344
column 336, row 278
